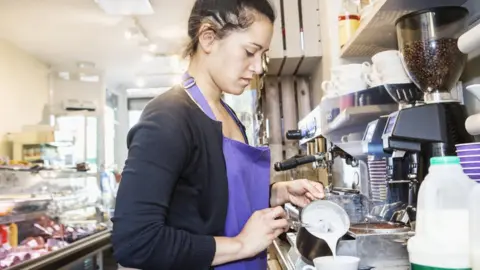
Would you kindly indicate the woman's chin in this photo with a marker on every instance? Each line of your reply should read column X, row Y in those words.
column 235, row 90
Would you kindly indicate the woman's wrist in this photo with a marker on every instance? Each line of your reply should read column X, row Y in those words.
column 278, row 194
column 229, row 249
column 243, row 251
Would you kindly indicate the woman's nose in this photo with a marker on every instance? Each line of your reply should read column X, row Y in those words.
column 257, row 66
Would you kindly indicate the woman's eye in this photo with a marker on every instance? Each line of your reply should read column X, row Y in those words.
column 249, row 54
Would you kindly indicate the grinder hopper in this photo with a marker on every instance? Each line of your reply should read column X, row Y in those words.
column 427, row 40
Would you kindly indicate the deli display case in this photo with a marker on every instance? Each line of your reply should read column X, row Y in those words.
column 51, row 219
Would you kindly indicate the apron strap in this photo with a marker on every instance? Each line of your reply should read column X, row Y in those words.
column 192, row 88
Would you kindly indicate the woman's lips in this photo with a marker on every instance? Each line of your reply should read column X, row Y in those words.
column 246, row 81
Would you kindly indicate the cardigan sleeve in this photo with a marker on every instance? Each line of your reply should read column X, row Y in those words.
column 158, row 150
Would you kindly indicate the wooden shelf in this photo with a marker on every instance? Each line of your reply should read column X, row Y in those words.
column 377, row 29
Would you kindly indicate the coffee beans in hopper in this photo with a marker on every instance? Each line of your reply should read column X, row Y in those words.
column 435, row 65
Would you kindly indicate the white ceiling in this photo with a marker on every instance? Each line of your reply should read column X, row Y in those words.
column 63, row 32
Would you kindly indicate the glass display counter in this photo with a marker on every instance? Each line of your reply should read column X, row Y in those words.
column 50, row 219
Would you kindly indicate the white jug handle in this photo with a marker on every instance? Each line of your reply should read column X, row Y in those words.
column 309, row 267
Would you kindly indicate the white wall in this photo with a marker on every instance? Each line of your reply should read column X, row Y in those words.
column 83, row 91
column 78, row 90
column 24, row 91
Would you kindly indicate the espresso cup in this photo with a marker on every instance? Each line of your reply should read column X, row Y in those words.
column 349, row 71
column 387, row 59
column 389, row 62
column 337, row 263
column 351, row 85
column 375, row 76
column 373, row 79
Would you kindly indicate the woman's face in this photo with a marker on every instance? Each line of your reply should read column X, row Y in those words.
column 234, row 60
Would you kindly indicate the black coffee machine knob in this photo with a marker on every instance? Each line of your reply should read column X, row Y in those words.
column 296, row 134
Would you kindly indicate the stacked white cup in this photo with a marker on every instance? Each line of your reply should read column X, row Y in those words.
column 387, row 68
column 345, row 79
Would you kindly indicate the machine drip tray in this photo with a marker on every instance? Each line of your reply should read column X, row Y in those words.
column 384, row 249
column 377, row 228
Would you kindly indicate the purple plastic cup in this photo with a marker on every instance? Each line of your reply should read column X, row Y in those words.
column 464, row 153
column 468, row 146
column 469, row 159
column 471, row 170
column 475, row 177
column 470, row 165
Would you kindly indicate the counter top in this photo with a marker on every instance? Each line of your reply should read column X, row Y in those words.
column 63, row 257
column 280, row 250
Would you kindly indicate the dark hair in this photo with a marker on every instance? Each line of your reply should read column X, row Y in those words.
column 224, row 16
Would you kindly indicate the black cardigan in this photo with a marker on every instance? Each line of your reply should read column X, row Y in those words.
column 173, row 195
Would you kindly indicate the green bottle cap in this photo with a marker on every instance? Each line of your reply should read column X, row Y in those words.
column 448, row 160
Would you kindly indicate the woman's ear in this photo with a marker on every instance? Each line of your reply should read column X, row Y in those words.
column 206, row 38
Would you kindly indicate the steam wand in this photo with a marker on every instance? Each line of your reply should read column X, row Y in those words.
column 323, row 160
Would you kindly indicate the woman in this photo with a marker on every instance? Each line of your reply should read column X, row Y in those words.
column 194, row 194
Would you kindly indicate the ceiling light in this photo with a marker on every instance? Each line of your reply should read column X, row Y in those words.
column 89, row 78
column 153, row 47
column 128, row 34
column 85, row 65
column 136, row 33
column 64, row 75
column 132, row 33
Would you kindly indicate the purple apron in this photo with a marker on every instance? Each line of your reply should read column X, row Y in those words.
column 248, row 173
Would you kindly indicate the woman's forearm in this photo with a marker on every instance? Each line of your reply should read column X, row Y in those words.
column 278, row 196
column 227, row 250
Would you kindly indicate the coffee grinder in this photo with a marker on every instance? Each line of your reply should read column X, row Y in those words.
column 427, row 41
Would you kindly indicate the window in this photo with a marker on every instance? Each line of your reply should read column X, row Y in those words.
column 135, row 108
column 111, row 123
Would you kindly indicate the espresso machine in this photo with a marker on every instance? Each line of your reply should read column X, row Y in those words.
column 321, row 155
column 317, row 150
column 378, row 244
column 430, row 126
column 372, row 145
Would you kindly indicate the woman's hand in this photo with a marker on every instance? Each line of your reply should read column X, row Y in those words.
column 298, row 192
column 261, row 229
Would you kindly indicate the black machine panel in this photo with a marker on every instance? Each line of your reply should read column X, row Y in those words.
column 441, row 125
column 372, row 140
